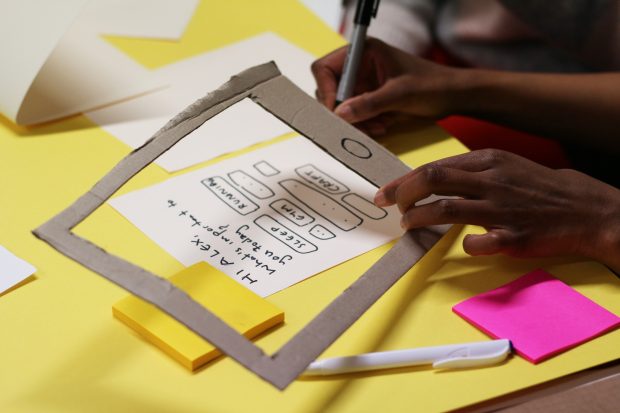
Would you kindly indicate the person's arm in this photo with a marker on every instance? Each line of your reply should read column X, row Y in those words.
column 581, row 107
column 578, row 107
column 528, row 210
column 406, row 24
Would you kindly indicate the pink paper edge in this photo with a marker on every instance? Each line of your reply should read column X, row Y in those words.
column 577, row 343
column 544, row 357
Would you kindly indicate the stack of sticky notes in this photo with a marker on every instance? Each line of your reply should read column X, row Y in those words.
column 539, row 314
column 243, row 310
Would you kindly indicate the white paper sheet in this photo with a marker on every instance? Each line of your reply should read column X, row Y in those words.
column 154, row 19
column 55, row 64
column 83, row 72
column 268, row 219
column 136, row 120
column 329, row 11
column 12, row 269
column 29, row 32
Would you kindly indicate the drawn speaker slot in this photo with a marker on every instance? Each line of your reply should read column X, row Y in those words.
column 266, row 169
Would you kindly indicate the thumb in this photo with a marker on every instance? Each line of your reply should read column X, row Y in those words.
column 371, row 104
column 492, row 242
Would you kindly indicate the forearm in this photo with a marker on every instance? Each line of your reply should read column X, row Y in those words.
column 605, row 245
column 528, row 210
column 582, row 107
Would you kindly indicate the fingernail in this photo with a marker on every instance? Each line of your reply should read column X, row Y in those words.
column 380, row 199
column 403, row 222
column 345, row 112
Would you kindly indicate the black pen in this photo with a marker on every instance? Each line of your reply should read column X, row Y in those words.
column 364, row 12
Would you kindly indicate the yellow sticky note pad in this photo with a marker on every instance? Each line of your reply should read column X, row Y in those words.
column 243, row 310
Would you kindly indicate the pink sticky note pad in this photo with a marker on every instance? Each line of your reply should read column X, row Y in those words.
column 539, row 314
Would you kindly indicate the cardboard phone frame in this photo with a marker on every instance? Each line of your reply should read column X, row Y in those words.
column 265, row 85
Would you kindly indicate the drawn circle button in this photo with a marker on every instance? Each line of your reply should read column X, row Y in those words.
column 356, row 148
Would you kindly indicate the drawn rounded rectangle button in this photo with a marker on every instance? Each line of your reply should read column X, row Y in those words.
column 364, row 206
column 321, row 180
column 265, row 168
column 322, row 233
column 230, row 195
column 250, row 185
column 323, row 205
column 285, row 235
column 292, row 212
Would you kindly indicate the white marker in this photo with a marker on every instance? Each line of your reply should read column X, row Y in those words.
column 453, row 356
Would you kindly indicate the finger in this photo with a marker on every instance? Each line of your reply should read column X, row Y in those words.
column 389, row 119
column 318, row 95
column 432, row 179
column 372, row 128
column 493, row 242
column 449, row 211
column 379, row 126
column 475, row 161
column 326, row 72
column 371, row 104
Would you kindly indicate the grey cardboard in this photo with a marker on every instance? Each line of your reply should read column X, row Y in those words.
column 265, row 86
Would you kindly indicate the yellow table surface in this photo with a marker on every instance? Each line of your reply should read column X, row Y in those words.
column 61, row 350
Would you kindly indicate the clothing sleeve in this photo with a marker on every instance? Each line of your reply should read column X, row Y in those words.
column 587, row 29
column 406, row 24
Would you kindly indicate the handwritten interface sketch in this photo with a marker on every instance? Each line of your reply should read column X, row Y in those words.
column 268, row 219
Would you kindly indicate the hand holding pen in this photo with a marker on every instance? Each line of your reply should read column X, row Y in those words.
column 390, row 85
column 372, row 84
column 365, row 11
